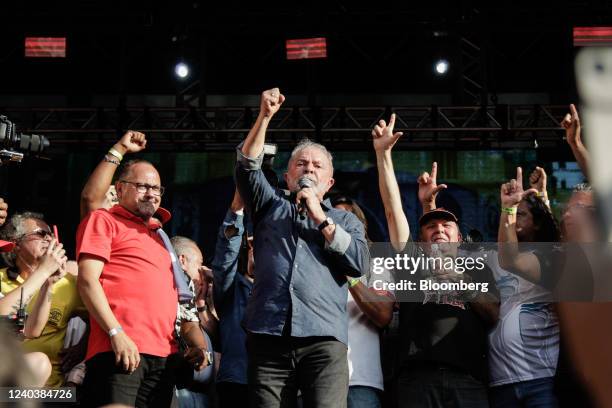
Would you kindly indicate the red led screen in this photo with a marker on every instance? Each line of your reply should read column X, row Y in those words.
column 592, row 36
column 46, row 47
column 307, row 48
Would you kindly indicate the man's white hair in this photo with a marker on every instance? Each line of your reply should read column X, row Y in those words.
column 13, row 230
column 307, row 143
column 183, row 245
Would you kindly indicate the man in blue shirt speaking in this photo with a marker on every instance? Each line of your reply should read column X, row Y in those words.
column 304, row 248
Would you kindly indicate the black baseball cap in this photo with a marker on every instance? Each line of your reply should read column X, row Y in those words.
column 438, row 213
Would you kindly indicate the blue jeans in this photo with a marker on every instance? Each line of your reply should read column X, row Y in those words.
column 537, row 393
column 360, row 396
column 191, row 399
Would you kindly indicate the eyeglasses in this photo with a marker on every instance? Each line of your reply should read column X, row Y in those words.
column 578, row 207
column 143, row 188
column 39, row 234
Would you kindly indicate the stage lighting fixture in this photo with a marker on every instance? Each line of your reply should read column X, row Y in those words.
column 181, row 70
column 441, row 67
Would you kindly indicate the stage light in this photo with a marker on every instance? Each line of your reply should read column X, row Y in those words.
column 181, row 70
column 441, row 67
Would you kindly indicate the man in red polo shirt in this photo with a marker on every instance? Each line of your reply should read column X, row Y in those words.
column 126, row 282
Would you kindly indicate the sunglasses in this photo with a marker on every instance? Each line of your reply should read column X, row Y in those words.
column 38, row 234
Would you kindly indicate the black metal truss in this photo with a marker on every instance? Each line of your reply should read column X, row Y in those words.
column 473, row 72
column 343, row 128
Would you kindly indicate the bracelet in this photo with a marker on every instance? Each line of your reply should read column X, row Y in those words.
column 115, row 153
column 353, row 282
column 201, row 309
column 509, row 211
column 110, row 160
column 542, row 194
column 115, row 331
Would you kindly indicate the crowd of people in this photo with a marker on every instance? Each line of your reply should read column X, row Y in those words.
column 289, row 313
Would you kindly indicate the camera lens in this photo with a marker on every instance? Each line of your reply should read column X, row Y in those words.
column 32, row 143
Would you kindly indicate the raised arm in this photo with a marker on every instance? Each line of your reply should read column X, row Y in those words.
column 271, row 101
column 571, row 123
column 524, row 264
column 537, row 181
column 93, row 195
column 429, row 188
column 251, row 182
column 227, row 249
column 384, row 139
column 205, row 303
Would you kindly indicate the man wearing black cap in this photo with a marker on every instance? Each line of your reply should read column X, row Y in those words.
column 443, row 332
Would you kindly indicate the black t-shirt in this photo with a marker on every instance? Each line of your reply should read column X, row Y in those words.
column 452, row 335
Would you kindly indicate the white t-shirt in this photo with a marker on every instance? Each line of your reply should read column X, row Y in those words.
column 524, row 345
column 363, row 345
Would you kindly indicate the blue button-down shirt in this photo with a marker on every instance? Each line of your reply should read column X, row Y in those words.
column 299, row 277
column 231, row 293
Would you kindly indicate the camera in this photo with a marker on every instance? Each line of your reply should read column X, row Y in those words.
column 13, row 144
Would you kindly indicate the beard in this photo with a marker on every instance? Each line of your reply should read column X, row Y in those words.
column 145, row 209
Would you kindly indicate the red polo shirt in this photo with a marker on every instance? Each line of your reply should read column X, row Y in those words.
column 137, row 279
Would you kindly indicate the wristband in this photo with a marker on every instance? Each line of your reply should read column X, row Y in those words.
column 111, row 160
column 115, row 153
column 201, row 309
column 544, row 197
column 353, row 282
column 115, row 331
column 509, row 211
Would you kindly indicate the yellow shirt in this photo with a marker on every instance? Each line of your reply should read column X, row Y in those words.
column 65, row 301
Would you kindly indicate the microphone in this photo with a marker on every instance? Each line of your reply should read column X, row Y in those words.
column 304, row 182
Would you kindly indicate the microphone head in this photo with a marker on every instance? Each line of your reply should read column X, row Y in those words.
column 305, row 182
